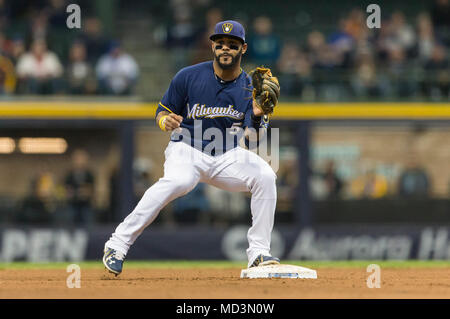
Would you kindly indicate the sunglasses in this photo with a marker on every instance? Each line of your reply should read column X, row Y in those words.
column 231, row 46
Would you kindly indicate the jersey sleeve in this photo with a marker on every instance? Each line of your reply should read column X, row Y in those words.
column 249, row 110
column 248, row 123
column 248, row 114
column 174, row 100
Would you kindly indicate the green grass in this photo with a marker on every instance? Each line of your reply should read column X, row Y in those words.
column 180, row 264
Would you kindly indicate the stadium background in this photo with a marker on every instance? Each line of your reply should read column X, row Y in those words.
column 364, row 128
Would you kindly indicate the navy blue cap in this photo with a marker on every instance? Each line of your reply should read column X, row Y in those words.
column 229, row 28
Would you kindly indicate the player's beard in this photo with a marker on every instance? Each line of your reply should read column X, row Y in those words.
column 234, row 60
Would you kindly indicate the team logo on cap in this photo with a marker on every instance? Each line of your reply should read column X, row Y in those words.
column 227, row 27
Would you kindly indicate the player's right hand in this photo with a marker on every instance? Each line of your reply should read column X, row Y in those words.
column 172, row 121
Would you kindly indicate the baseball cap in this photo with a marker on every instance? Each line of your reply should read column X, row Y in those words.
column 229, row 28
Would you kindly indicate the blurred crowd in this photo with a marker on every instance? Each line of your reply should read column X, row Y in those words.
column 69, row 201
column 40, row 55
column 403, row 59
column 407, row 57
column 412, row 182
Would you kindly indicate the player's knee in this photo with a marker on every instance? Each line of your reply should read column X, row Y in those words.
column 266, row 177
column 183, row 184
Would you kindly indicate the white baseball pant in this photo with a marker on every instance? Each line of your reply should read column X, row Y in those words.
column 237, row 170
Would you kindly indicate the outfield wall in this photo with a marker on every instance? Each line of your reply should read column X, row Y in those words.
column 309, row 124
column 66, row 109
column 199, row 243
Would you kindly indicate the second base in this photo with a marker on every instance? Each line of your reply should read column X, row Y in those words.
column 279, row 271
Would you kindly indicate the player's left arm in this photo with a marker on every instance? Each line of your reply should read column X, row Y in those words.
column 265, row 95
column 257, row 125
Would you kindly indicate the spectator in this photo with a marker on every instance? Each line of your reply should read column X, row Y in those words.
column 327, row 61
column 40, row 70
column 5, row 44
column 402, row 34
column 425, row 37
column 363, row 40
column 95, row 41
column 440, row 16
column 4, row 15
column 7, row 75
column 401, row 82
column 287, row 179
column 304, row 74
column 181, row 37
column 356, row 25
column 17, row 49
column 414, row 180
column 181, row 33
column 371, row 185
column 59, row 36
column 203, row 44
column 40, row 206
column 80, row 189
column 437, row 82
column 315, row 45
column 440, row 13
column 341, row 42
column 294, row 69
column 80, row 75
column 287, row 65
column 321, row 53
column 117, row 72
column 332, row 181
column 395, row 33
column 57, row 14
column 39, row 26
column 364, row 80
column 315, row 42
column 381, row 42
column 264, row 46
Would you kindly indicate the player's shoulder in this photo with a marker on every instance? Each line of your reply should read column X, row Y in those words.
column 246, row 78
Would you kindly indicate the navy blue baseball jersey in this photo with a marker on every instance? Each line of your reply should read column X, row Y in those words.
column 202, row 99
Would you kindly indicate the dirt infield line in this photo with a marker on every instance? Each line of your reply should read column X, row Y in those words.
column 223, row 283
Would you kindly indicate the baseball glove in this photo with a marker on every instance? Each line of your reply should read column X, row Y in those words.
column 266, row 89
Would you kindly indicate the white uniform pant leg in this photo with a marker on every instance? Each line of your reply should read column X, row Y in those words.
column 245, row 171
column 180, row 177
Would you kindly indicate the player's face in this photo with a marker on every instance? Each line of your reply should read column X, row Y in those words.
column 228, row 52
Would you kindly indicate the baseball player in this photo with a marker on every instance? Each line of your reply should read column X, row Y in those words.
column 215, row 96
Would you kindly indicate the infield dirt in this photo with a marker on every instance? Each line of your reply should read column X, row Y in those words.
column 218, row 283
